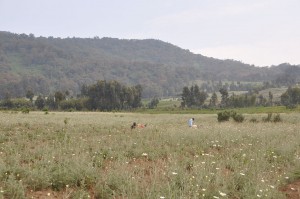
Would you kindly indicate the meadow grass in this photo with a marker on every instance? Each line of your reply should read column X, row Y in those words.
column 169, row 109
column 97, row 155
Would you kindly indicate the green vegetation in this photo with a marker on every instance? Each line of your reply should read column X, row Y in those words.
column 46, row 65
column 226, row 115
column 102, row 96
column 97, row 155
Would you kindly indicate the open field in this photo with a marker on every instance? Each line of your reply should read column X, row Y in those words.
column 97, row 155
column 169, row 109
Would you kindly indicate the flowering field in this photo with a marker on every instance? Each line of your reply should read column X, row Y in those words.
column 97, row 155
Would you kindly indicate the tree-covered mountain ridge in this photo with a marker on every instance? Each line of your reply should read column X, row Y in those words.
column 47, row 64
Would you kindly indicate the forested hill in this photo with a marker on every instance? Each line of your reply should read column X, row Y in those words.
column 45, row 65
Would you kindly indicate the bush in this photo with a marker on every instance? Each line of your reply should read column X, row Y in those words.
column 17, row 103
column 25, row 110
column 223, row 116
column 254, row 120
column 71, row 104
column 238, row 118
column 45, row 110
column 277, row 118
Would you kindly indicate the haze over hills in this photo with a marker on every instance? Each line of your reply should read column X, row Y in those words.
column 45, row 65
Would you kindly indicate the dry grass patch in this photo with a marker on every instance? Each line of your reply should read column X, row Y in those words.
column 97, row 155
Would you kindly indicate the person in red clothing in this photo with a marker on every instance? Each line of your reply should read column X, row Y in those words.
column 135, row 125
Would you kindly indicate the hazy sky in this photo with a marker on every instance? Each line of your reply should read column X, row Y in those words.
column 259, row 32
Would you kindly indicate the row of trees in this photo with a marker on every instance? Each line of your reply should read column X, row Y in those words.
column 291, row 98
column 103, row 96
column 108, row 96
column 194, row 97
column 215, row 86
column 112, row 96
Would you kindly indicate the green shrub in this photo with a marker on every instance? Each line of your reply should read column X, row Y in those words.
column 277, row 118
column 25, row 110
column 71, row 104
column 66, row 121
column 238, row 117
column 45, row 111
column 254, row 120
column 223, row 116
column 271, row 118
column 13, row 188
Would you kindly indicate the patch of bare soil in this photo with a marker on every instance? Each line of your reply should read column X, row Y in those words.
column 49, row 194
column 292, row 190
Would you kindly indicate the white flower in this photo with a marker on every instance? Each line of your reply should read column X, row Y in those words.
column 144, row 154
column 222, row 194
column 242, row 174
column 174, row 173
column 162, row 197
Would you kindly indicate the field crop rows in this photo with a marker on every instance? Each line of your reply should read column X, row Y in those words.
column 97, row 155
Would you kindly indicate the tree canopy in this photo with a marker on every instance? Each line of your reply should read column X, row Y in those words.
column 45, row 65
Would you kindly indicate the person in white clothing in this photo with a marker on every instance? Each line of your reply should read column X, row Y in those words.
column 191, row 123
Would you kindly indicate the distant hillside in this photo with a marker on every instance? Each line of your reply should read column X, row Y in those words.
column 45, row 65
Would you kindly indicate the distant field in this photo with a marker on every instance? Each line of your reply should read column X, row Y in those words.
column 170, row 107
column 172, row 103
column 97, row 155
column 277, row 92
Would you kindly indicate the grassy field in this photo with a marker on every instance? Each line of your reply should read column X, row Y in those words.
column 166, row 108
column 97, row 155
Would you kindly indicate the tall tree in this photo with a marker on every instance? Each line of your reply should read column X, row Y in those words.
column 39, row 102
column 186, row 97
column 193, row 96
column 291, row 97
column 224, row 100
column 214, row 100
column 270, row 98
column 29, row 95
